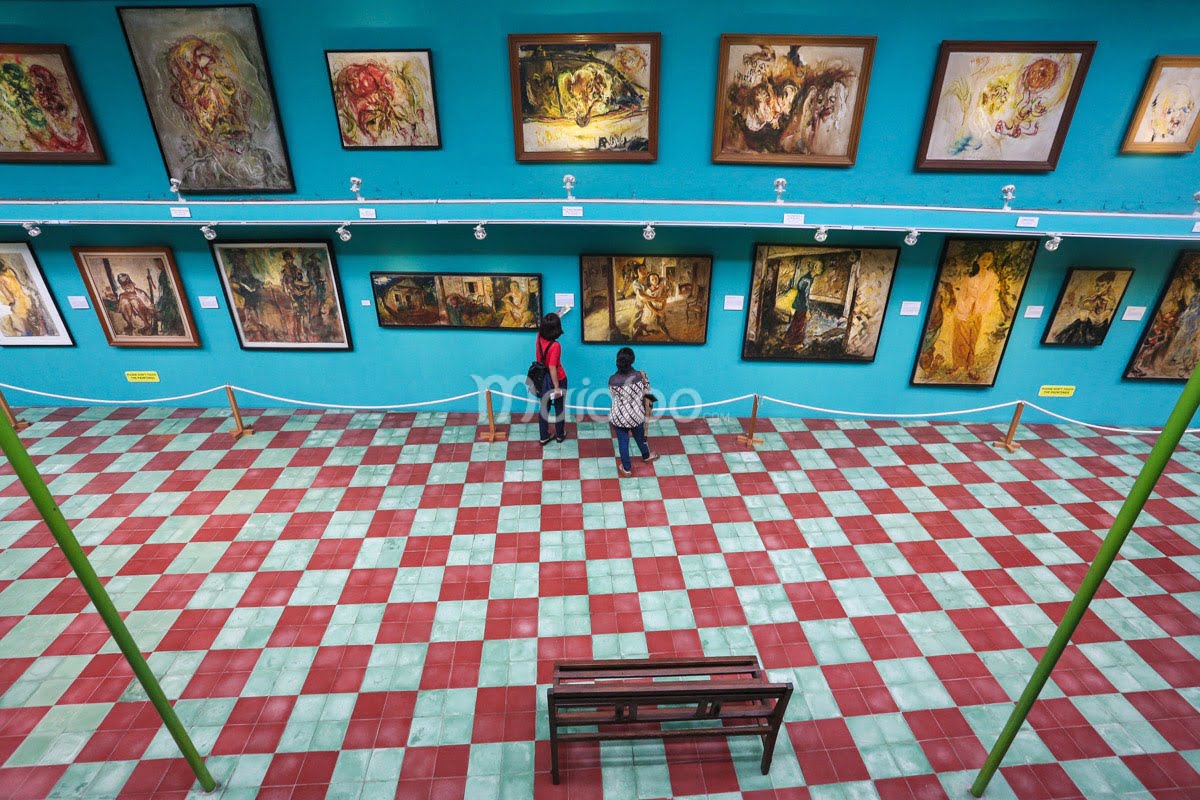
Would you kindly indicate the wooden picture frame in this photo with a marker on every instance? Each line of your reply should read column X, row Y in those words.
column 31, row 315
column 798, row 69
column 518, row 317
column 598, row 306
column 137, row 308
column 387, row 68
column 1162, row 328
column 1035, row 93
column 1095, row 315
column 1180, row 94
column 81, row 147
column 537, row 86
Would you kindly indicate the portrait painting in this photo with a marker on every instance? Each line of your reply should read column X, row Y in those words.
column 283, row 295
column 28, row 314
column 1002, row 105
column 791, row 99
column 971, row 311
column 440, row 300
column 207, row 86
column 1086, row 307
column 43, row 115
column 384, row 99
column 818, row 303
column 585, row 97
column 1165, row 119
column 1170, row 345
column 138, row 296
column 645, row 299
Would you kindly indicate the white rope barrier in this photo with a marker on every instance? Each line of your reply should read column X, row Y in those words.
column 841, row 412
column 355, row 407
column 1135, row 431
column 526, row 399
column 703, row 405
column 137, row 402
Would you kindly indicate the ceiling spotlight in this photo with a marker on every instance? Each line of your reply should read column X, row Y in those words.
column 1196, row 197
column 1008, row 193
column 176, row 188
column 822, row 234
column 780, row 188
column 1053, row 242
column 648, row 232
column 343, row 232
column 480, row 232
column 32, row 229
column 355, row 186
column 208, row 232
column 912, row 237
column 569, row 185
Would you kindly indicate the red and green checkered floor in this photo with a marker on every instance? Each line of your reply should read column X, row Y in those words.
column 369, row 605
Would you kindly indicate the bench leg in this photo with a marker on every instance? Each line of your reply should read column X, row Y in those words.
column 776, row 723
column 768, row 750
column 553, row 738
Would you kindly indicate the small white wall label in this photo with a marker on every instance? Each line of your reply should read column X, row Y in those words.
column 734, row 302
column 1133, row 313
column 366, row 213
column 564, row 300
column 180, row 212
column 572, row 211
column 793, row 219
column 77, row 301
column 1027, row 222
column 1034, row 312
column 910, row 308
column 208, row 301
column 366, row 303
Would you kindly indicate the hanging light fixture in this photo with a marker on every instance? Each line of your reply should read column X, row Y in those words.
column 32, row 229
column 822, row 234
column 648, row 232
column 208, row 232
column 912, row 237
column 1053, row 242
column 343, row 231
column 480, row 232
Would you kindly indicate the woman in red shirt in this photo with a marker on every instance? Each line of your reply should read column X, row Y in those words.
column 554, row 389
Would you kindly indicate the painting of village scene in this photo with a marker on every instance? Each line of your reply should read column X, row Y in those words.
column 975, row 298
column 1170, row 347
column 283, row 295
column 818, row 303
column 433, row 300
column 646, row 299
column 137, row 295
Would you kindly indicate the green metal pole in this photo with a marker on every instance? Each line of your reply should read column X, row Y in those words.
column 1152, row 470
column 40, row 494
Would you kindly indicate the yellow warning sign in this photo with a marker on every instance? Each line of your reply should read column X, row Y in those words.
column 1056, row 391
column 142, row 377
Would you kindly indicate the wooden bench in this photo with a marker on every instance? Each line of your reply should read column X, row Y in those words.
column 625, row 698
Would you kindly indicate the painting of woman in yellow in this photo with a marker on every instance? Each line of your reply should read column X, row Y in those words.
column 28, row 314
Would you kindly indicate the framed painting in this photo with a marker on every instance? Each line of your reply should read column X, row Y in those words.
column 28, row 314
column 43, row 115
column 1170, row 346
column 585, row 96
column 138, row 296
column 384, row 99
column 283, row 295
column 645, row 299
column 207, row 86
column 1002, row 106
column 817, row 303
column 441, row 300
column 1086, row 306
column 971, row 311
column 791, row 99
column 1165, row 120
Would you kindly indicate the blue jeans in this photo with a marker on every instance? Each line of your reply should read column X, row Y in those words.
column 639, row 436
column 544, row 406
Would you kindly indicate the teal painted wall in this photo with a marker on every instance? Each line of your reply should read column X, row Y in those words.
column 469, row 51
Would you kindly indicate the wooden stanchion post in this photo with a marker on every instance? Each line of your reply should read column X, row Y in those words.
column 491, row 434
column 1008, row 443
column 239, row 428
column 17, row 424
column 748, row 438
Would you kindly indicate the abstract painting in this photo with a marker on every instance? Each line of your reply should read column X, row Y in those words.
column 585, row 97
column 43, row 116
column 384, row 99
column 818, row 303
column 1002, row 105
column 791, row 99
column 283, row 295
column 138, row 296
column 645, row 299
column 206, row 83
column 971, row 311
column 1170, row 345
column 28, row 313
column 440, row 300
column 1165, row 120
column 1086, row 306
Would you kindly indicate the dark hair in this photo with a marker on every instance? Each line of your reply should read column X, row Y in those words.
column 551, row 327
column 624, row 359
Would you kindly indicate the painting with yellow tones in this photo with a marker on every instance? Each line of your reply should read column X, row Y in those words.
column 971, row 311
column 457, row 300
column 645, row 299
column 1002, row 105
column 43, row 116
column 1086, row 307
column 1166, row 116
column 384, row 99
column 28, row 313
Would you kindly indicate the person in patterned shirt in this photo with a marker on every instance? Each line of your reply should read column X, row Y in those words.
column 629, row 388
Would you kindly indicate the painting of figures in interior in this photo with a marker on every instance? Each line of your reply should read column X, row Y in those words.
column 1002, row 105
column 437, row 300
column 1086, row 306
column 207, row 86
column 43, row 116
column 283, row 295
column 585, row 97
column 137, row 295
column 817, row 303
column 975, row 298
column 1170, row 345
column 791, row 99
column 28, row 313
column 645, row 299
column 1166, row 116
column 384, row 99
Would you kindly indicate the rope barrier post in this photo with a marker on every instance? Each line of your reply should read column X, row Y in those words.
column 17, row 424
column 491, row 434
column 1008, row 443
column 240, row 429
column 748, row 438
column 39, row 493
column 1152, row 470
